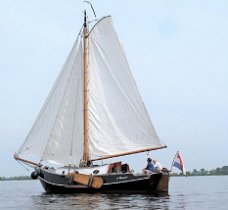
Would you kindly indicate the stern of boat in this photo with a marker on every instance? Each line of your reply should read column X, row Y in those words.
column 163, row 184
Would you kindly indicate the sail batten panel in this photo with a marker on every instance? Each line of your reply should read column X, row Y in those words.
column 118, row 119
column 57, row 132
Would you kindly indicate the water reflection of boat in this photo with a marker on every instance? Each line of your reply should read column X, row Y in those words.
column 93, row 112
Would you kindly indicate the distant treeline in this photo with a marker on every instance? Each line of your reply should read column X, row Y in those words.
column 15, row 178
column 203, row 172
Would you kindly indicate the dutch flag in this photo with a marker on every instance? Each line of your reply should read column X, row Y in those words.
column 178, row 163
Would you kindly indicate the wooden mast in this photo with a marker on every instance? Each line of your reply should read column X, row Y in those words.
column 86, row 146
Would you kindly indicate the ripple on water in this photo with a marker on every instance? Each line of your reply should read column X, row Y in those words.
column 190, row 193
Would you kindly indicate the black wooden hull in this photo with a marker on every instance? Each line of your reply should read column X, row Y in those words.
column 113, row 183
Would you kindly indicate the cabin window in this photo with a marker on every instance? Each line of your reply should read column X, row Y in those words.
column 96, row 171
column 124, row 168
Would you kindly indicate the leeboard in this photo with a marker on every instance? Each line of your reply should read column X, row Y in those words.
column 88, row 180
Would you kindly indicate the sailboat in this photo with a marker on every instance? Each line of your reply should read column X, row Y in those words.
column 93, row 112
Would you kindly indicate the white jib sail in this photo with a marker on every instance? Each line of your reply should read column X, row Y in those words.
column 57, row 134
column 118, row 119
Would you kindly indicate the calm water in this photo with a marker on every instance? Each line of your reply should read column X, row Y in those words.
column 185, row 193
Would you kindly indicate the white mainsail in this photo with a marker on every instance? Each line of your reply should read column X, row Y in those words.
column 118, row 120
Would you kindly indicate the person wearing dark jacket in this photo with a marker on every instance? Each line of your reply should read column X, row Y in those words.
column 149, row 168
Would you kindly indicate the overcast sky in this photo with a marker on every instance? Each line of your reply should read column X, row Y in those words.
column 178, row 53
